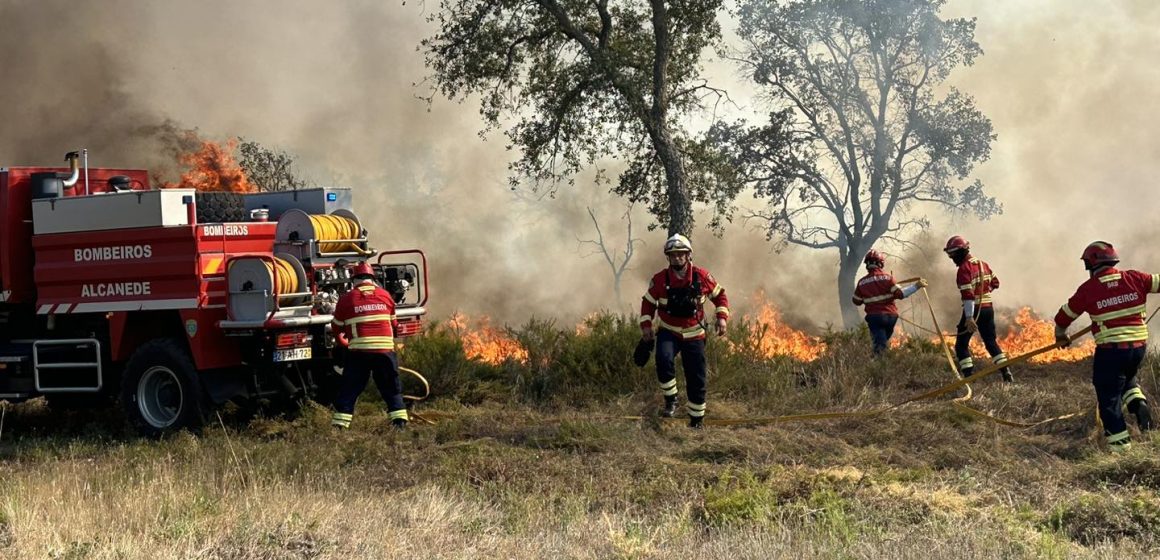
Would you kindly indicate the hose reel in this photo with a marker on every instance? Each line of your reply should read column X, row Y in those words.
column 334, row 235
column 252, row 281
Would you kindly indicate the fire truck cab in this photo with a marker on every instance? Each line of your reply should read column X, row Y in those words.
column 173, row 301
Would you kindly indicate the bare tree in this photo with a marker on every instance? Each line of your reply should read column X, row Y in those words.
column 617, row 261
column 862, row 131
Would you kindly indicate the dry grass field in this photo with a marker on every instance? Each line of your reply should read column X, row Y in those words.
column 533, row 459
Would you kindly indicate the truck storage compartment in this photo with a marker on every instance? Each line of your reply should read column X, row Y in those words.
column 114, row 210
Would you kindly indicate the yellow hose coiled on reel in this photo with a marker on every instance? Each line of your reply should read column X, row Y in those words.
column 287, row 279
column 329, row 227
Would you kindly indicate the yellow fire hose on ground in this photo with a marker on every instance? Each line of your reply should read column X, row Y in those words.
column 418, row 398
column 958, row 402
column 338, row 229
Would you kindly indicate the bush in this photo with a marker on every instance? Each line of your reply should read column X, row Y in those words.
column 592, row 363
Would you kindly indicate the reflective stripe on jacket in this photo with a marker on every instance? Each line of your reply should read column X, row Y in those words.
column 366, row 315
column 976, row 281
column 1117, row 303
column 655, row 300
column 877, row 291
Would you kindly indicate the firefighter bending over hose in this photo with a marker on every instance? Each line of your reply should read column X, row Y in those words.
column 1116, row 301
column 976, row 282
column 676, row 296
column 878, row 291
column 365, row 318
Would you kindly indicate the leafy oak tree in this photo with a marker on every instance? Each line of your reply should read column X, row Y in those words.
column 578, row 82
column 269, row 169
column 862, row 130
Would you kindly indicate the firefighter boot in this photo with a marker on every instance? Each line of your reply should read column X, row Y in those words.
column 1139, row 407
column 670, row 408
column 1007, row 376
column 399, row 424
column 697, row 422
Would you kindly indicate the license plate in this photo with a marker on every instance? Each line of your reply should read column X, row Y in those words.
column 292, row 354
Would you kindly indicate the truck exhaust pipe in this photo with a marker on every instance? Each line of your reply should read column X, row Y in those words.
column 52, row 184
column 73, row 159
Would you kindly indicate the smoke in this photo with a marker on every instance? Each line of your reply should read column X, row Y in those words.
column 1069, row 86
column 1065, row 82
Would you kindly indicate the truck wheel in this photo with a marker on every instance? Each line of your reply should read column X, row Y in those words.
column 160, row 391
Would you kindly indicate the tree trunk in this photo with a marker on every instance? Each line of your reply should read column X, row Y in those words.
column 616, row 290
column 680, row 204
column 847, row 277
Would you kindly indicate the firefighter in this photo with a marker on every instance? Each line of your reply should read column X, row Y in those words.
column 676, row 296
column 878, row 291
column 365, row 318
column 976, row 281
column 1116, row 302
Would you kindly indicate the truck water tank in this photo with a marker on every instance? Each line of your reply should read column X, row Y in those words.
column 47, row 184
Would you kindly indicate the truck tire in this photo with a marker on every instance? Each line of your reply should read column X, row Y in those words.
column 160, row 390
column 214, row 206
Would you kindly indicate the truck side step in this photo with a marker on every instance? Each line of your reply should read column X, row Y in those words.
column 71, row 365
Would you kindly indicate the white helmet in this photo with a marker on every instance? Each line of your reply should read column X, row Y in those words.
column 678, row 244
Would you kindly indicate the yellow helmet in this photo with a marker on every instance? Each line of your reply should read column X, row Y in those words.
column 678, row 244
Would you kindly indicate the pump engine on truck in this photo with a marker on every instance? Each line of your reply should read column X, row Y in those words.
column 173, row 301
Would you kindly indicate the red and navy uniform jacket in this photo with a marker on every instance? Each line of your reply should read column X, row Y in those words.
column 1117, row 304
column 976, row 281
column 655, row 301
column 877, row 291
column 366, row 317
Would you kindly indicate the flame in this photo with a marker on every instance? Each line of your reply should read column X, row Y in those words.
column 485, row 343
column 772, row 337
column 213, row 168
column 1032, row 333
column 583, row 328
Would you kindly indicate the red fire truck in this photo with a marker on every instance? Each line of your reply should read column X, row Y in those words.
column 176, row 301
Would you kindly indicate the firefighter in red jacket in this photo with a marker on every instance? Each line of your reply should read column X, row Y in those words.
column 878, row 292
column 1116, row 301
column 676, row 296
column 976, row 282
column 365, row 318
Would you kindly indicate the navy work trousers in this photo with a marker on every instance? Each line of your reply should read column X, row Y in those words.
column 881, row 329
column 1114, row 376
column 986, row 322
column 360, row 366
column 692, row 354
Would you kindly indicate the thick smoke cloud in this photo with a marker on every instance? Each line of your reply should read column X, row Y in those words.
column 1068, row 84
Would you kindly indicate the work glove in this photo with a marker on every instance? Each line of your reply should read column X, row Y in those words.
column 971, row 325
column 642, row 352
column 721, row 326
column 646, row 333
column 1061, row 339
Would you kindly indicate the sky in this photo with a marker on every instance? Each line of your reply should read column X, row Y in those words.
column 1070, row 86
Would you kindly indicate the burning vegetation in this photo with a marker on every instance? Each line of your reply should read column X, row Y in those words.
column 1029, row 332
column 213, row 168
column 485, row 343
column 1025, row 332
column 770, row 336
column 766, row 335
